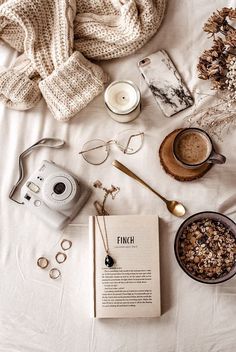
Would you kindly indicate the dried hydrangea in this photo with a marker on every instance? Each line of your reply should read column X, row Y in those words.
column 230, row 40
column 231, row 78
column 215, row 63
column 218, row 21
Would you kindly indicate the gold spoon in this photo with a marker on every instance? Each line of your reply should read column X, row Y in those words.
column 174, row 207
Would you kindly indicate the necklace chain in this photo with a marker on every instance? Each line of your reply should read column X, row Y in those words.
column 104, row 240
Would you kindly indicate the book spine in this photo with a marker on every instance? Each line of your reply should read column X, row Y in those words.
column 158, row 265
column 92, row 261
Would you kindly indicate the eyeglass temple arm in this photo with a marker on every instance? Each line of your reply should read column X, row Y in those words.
column 99, row 146
column 133, row 135
column 113, row 141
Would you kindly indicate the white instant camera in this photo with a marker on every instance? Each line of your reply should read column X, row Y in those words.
column 54, row 195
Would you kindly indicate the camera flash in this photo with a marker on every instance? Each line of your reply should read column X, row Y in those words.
column 33, row 187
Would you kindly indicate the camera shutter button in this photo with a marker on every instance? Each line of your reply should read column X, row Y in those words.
column 37, row 203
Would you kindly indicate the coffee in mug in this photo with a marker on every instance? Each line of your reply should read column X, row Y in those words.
column 193, row 147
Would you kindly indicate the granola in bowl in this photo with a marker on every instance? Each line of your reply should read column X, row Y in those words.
column 205, row 247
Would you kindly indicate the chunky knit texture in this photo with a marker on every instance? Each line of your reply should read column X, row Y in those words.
column 114, row 31
column 55, row 35
column 64, row 96
column 19, row 85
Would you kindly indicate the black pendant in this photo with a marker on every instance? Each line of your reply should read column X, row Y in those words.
column 109, row 261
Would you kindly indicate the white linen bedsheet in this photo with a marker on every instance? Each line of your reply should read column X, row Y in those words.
column 38, row 314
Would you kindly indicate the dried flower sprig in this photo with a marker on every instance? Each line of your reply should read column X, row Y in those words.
column 112, row 191
column 216, row 119
column 215, row 62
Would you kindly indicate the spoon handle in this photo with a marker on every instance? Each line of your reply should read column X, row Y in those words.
column 128, row 172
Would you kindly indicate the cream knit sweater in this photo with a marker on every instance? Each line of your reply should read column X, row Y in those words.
column 55, row 36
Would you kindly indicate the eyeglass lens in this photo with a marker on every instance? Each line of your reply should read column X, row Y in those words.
column 95, row 152
column 130, row 141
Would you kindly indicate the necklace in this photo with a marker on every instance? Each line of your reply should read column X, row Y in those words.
column 108, row 259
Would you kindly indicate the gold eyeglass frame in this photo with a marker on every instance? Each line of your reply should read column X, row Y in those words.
column 107, row 144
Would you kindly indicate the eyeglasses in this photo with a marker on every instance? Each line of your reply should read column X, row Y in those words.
column 96, row 151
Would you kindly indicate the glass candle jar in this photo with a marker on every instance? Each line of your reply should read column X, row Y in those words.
column 122, row 100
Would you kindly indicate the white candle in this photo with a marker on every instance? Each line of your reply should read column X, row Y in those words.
column 122, row 99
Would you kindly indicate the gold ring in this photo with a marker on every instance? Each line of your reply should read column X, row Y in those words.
column 42, row 262
column 54, row 273
column 60, row 257
column 66, row 244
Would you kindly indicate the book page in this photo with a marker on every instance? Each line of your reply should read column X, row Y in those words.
column 131, row 287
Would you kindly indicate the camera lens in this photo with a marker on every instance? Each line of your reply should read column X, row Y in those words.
column 59, row 188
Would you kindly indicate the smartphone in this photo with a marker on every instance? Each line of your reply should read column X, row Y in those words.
column 165, row 83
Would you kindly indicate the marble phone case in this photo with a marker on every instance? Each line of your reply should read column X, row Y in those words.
column 165, row 82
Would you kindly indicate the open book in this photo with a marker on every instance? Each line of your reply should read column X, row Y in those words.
column 131, row 287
